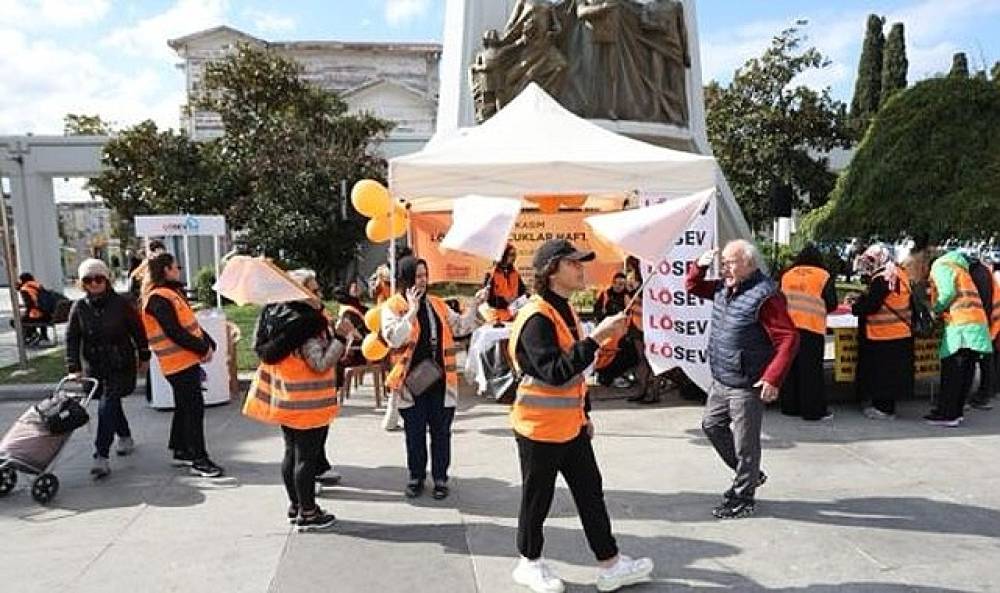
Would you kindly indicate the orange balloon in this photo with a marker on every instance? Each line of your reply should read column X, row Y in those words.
column 379, row 230
column 373, row 348
column 400, row 221
column 373, row 319
column 371, row 198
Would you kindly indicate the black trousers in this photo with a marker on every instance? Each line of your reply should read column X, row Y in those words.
column 303, row 455
column 957, row 372
column 187, row 431
column 540, row 462
column 428, row 412
column 804, row 390
column 987, row 378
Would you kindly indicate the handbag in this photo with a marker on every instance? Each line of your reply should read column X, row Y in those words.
column 61, row 413
column 422, row 377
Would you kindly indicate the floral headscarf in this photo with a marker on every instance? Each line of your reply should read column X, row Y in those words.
column 877, row 261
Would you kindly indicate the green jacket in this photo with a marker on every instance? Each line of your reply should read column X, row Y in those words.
column 974, row 336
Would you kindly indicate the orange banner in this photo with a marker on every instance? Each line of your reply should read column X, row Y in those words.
column 531, row 230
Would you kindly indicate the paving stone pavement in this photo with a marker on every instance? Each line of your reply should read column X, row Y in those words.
column 852, row 505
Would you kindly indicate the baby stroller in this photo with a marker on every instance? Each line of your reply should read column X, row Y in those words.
column 33, row 443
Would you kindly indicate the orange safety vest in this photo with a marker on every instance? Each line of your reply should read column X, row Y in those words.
column 506, row 288
column 292, row 394
column 400, row 357
column 543, row 412
column 886, row 325
column 34, row 289
column 995, row 313
column 967, row 308
column 803, row 289
column 173, row 358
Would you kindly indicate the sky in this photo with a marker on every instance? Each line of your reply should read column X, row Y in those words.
column 111, row 56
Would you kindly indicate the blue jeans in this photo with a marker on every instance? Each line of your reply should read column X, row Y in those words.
column 428, row 411
column 111, row 421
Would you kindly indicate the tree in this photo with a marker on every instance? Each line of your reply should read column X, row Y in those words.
column 959, row 65
column 764, row 131
column 148, row 171
column 930, row 164
column 76, row 124
column 894, row 63
column 868, row 87
column 995, row 73
column 287, row 146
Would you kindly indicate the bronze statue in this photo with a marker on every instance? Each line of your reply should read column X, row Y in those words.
column 602, row 59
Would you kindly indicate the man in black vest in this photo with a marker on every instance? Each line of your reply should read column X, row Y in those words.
column 751, row 348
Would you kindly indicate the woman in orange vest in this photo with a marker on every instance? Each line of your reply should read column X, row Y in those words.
column 811, row 292
column 295, row 388
column 504, row 286
column 551, row 423
column 884, row 371
column 423, row 380
column 34, row 317
column 180, row 346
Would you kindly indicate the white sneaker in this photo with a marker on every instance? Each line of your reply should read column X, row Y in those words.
column 537, row 576
column 125, row 446
column 101, row 468
column 624, row 572
column 877, row 414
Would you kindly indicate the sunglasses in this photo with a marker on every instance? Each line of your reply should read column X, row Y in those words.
column 94, row 280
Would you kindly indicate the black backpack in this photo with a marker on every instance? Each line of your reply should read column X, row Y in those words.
column 48, row 301
column 62, row 413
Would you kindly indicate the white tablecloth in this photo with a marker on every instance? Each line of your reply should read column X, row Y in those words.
column 841, row 321
column 481, row 341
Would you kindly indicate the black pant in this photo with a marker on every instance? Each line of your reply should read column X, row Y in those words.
column 428, row 411
column 804, row 390
column 540, row 463
column 957, row 372
column 987, row 378
column 111, row 421
column 303, row 451
column 187, row 431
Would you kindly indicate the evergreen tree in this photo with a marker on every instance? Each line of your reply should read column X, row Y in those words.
column 894, row 63
column 868, row 88
column 959, row 65
column 995, row 73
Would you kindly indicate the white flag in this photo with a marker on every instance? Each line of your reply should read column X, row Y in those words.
column 481, row 225
column 649, row 232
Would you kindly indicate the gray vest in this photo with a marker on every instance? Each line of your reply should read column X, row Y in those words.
column 739, row 348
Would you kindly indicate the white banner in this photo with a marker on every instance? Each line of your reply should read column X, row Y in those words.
column 677, row 324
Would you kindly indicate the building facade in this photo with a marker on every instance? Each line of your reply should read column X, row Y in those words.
column 394, row 81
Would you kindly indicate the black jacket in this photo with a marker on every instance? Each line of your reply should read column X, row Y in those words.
column 104, row 335
column 283, row 328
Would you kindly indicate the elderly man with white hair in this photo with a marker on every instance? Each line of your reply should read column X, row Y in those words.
column 751, row 348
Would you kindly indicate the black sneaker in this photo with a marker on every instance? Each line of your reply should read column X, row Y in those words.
column 734, row 508
column 293, row 513
column 414, row 488
column 318, row 520
column 981, row 405
column 440, row 491
column 182, row 459
column 761, row 480
column 206, row 468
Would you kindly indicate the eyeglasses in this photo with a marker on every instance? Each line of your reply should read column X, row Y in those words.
column 730, row 263
column 93, row 280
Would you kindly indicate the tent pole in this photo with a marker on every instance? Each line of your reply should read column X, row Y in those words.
column 392, row 253
column 215, row 253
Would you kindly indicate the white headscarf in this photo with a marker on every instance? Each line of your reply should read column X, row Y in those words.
column 877, row 261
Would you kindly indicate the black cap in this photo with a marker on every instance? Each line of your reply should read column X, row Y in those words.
column 554, row 249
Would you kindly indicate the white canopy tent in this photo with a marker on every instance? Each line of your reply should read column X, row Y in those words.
column 536, row 146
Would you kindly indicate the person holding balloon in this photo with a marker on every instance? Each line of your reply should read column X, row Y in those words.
column 420, row 330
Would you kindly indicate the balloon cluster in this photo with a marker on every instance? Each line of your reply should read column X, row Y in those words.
column 374, row 347
column 549, row 204
column 370, row 198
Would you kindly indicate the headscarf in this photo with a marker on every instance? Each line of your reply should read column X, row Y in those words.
column 406, row 272
column 877, row 261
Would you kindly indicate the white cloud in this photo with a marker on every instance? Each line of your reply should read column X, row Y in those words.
column 397, row 12
column 270, row 22
column 43, row 82
column 148, row 37
column 43, row 14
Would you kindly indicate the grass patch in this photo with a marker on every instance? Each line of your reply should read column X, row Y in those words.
column 45, row 368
